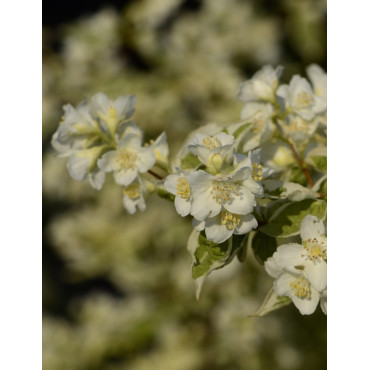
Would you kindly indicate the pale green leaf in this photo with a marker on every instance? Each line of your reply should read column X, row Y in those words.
column 272, row 302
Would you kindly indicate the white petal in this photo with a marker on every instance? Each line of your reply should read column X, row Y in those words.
column 272, row 268
column 243, row 204
column 146, row 159
column 78, row 166
column 108, row 162
column 312, row 227
column 307, row 306
column 97, row 179
column 198, row 225
column 171, row 183
column 125, row 176
column 323, row 301
column 290, row 255
column 316, row 273
column 125, row 106
column 217, row 232
column 247, row 223
column 182, row 206
column 203, row 205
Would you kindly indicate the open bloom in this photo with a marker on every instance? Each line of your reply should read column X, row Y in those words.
column 262, row 86
column 304, row 296
column 111, row 114
column 310, row 256
column 129, row 159
column 178, row 185
column 299, row 98
column 213, row 193
column 133, row 196
column 74, row 130
column 221, row 227
column 213, row 151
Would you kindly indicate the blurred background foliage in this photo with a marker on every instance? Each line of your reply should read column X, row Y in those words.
column 117, row 289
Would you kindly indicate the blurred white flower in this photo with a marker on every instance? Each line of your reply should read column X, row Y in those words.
column 299, row 98
column 262, row 86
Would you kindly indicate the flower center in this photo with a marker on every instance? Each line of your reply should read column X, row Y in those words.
column 301, row 288
column 211, row 143
column 230, row 220
column 303, row 100
column 183, row 188
column 127, row 159
column 315, row 250
column 223, row 192
column 132, row 191
column 257, row 172
column 258, row 124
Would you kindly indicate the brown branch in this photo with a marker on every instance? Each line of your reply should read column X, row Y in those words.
column 155, row 175
column 302, row 165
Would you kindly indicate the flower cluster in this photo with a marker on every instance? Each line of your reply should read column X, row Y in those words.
column 217, row 177
column 98, row 137
column 300, row 269
column 220, row 193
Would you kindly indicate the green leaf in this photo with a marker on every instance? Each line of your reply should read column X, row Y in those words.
column 263, row 246
column 317, row 158
column 320, row 163
column 208, row 256
column 241, row 129
column 286, row 221
column 272, row 302
column 165, row 195
column 190, row 161
column 297, row 175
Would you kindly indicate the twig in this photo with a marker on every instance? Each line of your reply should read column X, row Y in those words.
column 302, row 165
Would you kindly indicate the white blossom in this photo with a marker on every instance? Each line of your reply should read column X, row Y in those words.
column 213, row 151
column 262, row 86
column 310, row 256
column 133, row 196
column 128, row 160
column 299, row 98
column 178, row 185
column 112, row 113
column 213, row 193
column 221, row 227
column 72, row 133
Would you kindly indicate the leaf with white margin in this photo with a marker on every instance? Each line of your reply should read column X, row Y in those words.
column 271, row 303
column 286, row 221
column 208, row 256
column 288, row 190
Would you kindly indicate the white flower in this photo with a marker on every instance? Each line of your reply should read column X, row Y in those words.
column 261, row 86
column 160, row 147
column 212, row 193
column 178, row 185
column 298, row 97
column 318, row 79
column 295, row 286
column 310, row 257
column 221, row 227
column 129, row 159
column 133, row 196
column 112, row 113
column 72, row 133
column 298, row 129
column 82, row 162
column 323, row 301
column 213, row 151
